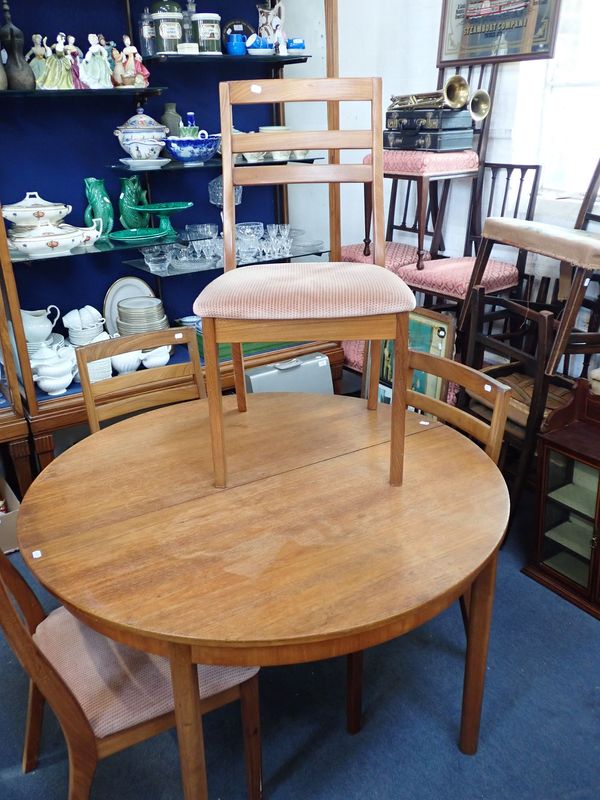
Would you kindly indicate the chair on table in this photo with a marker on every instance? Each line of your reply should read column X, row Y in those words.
column 512, row 342
column 320, row 301
column 424, row 169
column 577, row 248
column 158, row 386
column 106, row 696
column 488, row 433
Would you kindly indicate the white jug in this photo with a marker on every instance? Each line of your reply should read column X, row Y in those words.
column 37, row 325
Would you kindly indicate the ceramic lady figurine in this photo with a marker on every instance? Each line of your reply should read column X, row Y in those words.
column 132, row 194
column 109, row 47
column 99, row 205
column 135, row 73
column 95, row 69
column 76, row 56
column 19, row 75
column 57, row 73
column 37, row 56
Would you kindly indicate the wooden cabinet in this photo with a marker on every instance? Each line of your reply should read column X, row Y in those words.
column 566, row 554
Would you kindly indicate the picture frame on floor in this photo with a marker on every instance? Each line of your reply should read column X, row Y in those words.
column 492, row 31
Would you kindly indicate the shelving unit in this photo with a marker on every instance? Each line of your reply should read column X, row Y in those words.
column 77, row 94
column 184, row 58
column 565, row 554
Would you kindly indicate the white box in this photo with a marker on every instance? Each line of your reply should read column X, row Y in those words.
column 8, row 521
column 309, row 373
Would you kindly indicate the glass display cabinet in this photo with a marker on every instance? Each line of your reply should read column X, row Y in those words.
column 565, row 556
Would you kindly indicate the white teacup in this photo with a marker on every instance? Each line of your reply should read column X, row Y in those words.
column 93, row 313
column 72, row 319
column 90, row 317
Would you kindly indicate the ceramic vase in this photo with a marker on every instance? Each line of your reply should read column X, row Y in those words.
column 171, row 119
column 132, row 194
column 19, row 74
column 99, row 205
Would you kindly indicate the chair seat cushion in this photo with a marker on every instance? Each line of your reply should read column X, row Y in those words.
column 450, row 276
column 397, row 254
column 304, row 291
column 520, row 400
column 115, row 685
column 354, row 353
column 581, row 248
column 426, row 163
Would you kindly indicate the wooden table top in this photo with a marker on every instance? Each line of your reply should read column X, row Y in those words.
column 308, row 553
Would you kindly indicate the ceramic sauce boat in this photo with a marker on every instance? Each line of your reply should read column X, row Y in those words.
column 37, row 325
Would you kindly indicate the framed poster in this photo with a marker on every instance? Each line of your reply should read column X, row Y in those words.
column 488, row 31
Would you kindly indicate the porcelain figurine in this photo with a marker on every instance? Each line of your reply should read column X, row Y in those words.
column 95, row 70
column 132, row 194
column 57, row 73
column 279, row 38
column 76, row 55
column 99, row 205
column 19, row 75
column 37, row 56
column 133, row 67
column 108, row 47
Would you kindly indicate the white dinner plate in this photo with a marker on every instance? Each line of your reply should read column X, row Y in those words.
column 130, row 286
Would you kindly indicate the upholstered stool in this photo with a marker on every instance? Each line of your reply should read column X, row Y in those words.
column 579, row 248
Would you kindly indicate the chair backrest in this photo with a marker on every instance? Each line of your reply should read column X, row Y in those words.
column 289, row 91
column 142, row 389
column 477, row 383
column 20, row 614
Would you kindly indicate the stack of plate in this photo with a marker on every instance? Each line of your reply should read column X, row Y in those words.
column 55, row 340
column 140, row 314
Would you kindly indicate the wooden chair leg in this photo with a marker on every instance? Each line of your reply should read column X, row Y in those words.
column 82, row 766
column 252, row 740
column 33, row 728
column 239, row 379
column 581, row 279
column 483, row 256
column 354, row 675
column 399, row 400
column 368, row 209
column 422, row 194
column 374, row 362
column 389, row 232
column 215, row 401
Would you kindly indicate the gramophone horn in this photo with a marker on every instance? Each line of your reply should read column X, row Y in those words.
column 456, row 92
column 480, row 105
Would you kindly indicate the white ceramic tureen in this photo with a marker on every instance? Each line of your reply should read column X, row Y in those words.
column 48, row 239
column 33, row 210
column 140, row 128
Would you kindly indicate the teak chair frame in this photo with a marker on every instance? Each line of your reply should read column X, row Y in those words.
column 489, row 434
column 236, row 331
column 85, row 749
column 158, row 386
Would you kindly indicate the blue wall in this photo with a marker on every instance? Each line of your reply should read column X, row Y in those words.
column 50, row 145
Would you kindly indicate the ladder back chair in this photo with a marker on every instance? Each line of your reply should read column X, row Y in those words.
column 423, row 169
column 106, row 696
column 141, row 389
column 299, row 301
column 487, row 433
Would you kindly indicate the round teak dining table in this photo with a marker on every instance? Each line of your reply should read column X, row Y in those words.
column 308, row 553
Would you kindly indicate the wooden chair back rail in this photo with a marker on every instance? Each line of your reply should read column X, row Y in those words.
column 302, row 140
column 477, row 383
column 143, row 389
column 273, row 175
column 300, row 90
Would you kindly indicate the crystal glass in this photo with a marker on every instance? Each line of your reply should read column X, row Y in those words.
column 215, row 192
column 158, row 258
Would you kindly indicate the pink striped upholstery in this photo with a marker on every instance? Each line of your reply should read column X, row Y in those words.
column 397, row 254
column 354, row 354
column 424, row 162
column 304, row 291
column 450, row 276
column 115, row 685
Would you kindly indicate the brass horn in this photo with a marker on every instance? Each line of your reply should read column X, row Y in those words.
column 479, row 105
column 455, row 94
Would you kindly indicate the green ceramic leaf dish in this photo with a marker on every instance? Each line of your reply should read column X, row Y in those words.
column 164, row 208
column 137, row 235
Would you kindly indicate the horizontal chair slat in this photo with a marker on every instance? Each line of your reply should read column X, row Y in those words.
column 302, row 173
column 119, row 383
column 297, row 90
column 302, row 140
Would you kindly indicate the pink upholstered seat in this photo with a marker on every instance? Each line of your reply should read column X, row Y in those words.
column 450, row 276
column 117, row 686
column 424, row 162
column 354, row 354
column 397, row 255
column 304, row 291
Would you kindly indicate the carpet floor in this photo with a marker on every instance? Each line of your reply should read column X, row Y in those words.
column 540, row 732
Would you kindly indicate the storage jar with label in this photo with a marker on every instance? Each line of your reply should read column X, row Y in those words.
column 207, row 32
column 169, row 31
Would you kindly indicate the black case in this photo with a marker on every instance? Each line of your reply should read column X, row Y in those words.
column 429, row 119
column 419, row 140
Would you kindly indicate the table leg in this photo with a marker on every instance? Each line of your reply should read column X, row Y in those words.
column 480, row 615
column 184, row 677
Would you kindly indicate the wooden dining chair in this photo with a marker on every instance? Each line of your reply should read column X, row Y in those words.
column 141, row 389
column 106, row 696
column 300, row 301
column 487, row 433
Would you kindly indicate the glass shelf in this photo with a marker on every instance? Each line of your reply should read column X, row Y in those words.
column 139, row 263
column 133, row 91
column 213, row 163
column 181, row 58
